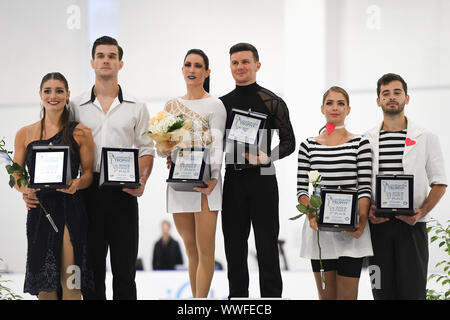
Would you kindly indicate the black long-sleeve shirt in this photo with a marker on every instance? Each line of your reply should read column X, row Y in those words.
column 166, row 255
column 261, row 100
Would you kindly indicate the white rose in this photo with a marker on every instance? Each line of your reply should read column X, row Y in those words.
column 313, row 176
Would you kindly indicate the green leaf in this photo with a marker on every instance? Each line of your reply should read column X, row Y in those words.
column 12, row 181
column 16, row 167
column 440, row 263
column 23, row 181
column 302, row 208
column 9, row 169
column 312, row 210
column 316, row 201
column 177, row 125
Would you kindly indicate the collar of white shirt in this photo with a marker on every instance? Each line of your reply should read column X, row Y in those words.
column 90, row 98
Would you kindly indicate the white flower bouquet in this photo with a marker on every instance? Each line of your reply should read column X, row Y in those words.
column 168, row 130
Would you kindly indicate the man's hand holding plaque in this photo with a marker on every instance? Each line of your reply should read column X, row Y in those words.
column 120, row 168
column 395, row 196
column 261, row 159
column 375, row 219
column 245, row 134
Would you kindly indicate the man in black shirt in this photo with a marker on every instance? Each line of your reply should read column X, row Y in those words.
column 250, row 193
column 166, row 253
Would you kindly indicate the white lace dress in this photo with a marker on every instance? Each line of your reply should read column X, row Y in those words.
column 208, row 118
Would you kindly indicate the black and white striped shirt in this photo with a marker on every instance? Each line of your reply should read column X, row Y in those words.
column 392, row 146
column 348, row 165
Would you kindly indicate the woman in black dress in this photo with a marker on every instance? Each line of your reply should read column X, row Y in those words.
column 57, row 259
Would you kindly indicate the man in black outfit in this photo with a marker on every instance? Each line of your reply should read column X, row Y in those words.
column 166, row 252
column 250, row 193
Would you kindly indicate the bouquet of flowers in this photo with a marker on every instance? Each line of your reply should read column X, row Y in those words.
column 167, row 130
column 23, row 178
column 316, row 202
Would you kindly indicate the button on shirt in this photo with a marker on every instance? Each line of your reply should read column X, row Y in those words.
column 123, row 126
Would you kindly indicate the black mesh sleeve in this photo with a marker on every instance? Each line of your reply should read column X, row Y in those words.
column 281, row 122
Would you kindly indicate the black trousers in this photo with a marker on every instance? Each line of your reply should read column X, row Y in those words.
column 251, row 199
column 113, row 223
column 401, row 259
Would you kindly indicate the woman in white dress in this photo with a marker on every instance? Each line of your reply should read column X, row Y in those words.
column 195, row 213
column 343, row 159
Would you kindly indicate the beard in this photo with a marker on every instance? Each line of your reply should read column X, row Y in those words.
column 393, row 110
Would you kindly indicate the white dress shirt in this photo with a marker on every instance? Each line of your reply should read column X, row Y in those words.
column 123, row 126
column 423, row 159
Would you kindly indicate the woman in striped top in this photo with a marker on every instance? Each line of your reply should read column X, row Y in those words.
column 343, row 159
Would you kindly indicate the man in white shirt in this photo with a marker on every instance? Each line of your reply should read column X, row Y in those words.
column 116, row 120
column 400, row 146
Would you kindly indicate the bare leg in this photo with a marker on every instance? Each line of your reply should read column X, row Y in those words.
column 347, row 288
column 69, row 290
column 330, row 292
column 205, row 230
column 48, row 295
column 185, row 224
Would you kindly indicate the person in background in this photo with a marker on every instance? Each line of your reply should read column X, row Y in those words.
column 166, row 252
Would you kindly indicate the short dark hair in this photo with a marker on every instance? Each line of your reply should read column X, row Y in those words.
column 388, row 78
column 245, row 47
column 108, row 41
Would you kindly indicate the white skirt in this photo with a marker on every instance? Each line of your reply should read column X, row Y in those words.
column 182, row 201
column 334, row 244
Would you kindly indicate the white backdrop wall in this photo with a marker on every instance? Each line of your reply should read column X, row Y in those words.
column 305, row 47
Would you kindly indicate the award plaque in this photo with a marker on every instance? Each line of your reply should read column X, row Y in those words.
column 119, row 167
column 189, row 168
column 339, row 210
column 394, row 195
column 50, row 167
column 244, row 134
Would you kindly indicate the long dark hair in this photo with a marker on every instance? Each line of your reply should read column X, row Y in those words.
column 65, row 116
column 205, row 60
